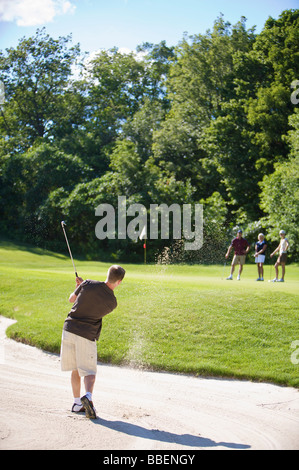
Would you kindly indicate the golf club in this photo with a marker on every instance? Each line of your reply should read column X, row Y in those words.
column 224, row 267
column 271, row 263
column 63, row 224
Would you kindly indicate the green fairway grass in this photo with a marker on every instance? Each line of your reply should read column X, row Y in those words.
column 173, row 318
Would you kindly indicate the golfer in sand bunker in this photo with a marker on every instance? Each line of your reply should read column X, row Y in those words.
column 92, row 300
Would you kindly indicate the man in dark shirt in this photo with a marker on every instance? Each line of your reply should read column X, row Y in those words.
column 92, row 300
column 241, row 248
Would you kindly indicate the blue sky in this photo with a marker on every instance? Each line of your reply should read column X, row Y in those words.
column 98, row 24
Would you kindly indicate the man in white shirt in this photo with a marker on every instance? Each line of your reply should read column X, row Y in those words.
column 282, row 258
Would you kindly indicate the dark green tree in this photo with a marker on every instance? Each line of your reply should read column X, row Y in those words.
column 279, row 197
column 36, row 76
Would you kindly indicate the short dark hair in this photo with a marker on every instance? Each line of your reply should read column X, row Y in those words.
column 115, row 273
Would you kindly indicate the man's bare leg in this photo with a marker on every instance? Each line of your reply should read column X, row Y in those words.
column 76, row 383
column 89, row 381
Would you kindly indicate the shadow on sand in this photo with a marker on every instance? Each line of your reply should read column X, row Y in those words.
column 188, row 440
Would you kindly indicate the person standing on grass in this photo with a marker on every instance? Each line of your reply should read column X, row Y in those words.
column 92, row 300
column 282, row 258
column 241, row 248
column 260, row 255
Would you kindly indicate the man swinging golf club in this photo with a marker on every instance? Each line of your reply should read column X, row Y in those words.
column 92, row 300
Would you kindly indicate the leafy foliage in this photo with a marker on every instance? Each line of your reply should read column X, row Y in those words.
column 208, row 121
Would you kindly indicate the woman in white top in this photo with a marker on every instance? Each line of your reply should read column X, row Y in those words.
column 282, row 258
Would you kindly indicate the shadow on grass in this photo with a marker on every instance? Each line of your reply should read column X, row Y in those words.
column 188, row 440
column 17, row 246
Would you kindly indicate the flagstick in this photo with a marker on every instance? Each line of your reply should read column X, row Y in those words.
column 142, row 236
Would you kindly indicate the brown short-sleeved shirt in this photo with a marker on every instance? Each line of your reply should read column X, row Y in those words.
column 94, row 300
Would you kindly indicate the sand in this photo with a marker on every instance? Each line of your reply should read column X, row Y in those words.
column 137, row 409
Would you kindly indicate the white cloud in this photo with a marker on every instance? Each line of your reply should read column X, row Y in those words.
column 33, row 12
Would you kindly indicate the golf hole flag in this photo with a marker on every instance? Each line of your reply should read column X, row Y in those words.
column 142, row 236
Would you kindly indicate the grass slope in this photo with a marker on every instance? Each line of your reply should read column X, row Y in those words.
column 176, row 318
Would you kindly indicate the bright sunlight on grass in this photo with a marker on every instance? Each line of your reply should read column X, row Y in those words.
column 177, row 318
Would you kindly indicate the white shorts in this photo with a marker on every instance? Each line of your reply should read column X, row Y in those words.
column 78, row 353
column 260, row 259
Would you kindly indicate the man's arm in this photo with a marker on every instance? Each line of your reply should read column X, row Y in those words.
column 73, row 296
column 228, row 251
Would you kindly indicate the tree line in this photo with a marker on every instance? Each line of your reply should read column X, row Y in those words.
column 213, row 120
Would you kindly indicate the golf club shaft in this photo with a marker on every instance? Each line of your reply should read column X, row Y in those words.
column 76, row 274
column 224, row 267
